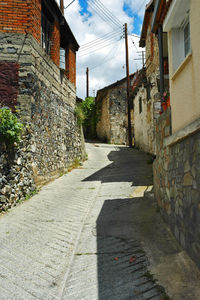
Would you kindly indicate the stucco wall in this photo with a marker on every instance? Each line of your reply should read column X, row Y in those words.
column 185, row 87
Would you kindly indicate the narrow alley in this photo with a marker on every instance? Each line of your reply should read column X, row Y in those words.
column 94, row 234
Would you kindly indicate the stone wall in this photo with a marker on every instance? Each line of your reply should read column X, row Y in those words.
column 112, row 106
column 46, row 101
column 177, row 184
column 145, row 120
column 118, row 115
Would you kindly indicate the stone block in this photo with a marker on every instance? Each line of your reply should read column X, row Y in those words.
column 188, row 180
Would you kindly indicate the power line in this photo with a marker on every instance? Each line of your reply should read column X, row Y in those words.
column 106, row 13
column 106, row 60
column 112, row 16
column 69, row 4
column 104, row 37
column 99, row 43
column 101, row 13
column 103, row 46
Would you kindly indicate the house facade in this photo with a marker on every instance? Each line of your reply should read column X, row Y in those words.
column 182, row 25
column 147, row 105
column 38, row 79
column 111, row 102
column 176, row 168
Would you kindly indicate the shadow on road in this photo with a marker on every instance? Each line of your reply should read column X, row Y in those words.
column 122, row 262
column 128, row 165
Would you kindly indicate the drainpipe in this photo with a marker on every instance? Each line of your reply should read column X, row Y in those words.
column 62, row 6
column 160, row 43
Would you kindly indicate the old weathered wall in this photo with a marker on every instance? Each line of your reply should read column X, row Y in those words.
column 145, row 121
column 103, row 124
column 118, row 115
column 177, row 185
column 112, row 108
column 152, row 52
column 46, row 102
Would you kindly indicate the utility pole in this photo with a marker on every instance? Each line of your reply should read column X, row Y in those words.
column 87, row 82
column 62, row 6
column 128, row 88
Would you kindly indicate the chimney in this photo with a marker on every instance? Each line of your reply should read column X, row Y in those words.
column 62, row 6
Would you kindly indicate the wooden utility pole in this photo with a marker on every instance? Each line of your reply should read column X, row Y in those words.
column 62, row 6
column 128, row 87
column 87, row 82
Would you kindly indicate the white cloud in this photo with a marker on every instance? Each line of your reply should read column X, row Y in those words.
column 110, row 60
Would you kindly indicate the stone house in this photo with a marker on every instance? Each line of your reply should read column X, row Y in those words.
column 147, row 86
column 177, row 164
column 111, row 101
column 38, row 77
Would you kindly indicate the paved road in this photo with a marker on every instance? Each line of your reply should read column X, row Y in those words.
column 88, row 235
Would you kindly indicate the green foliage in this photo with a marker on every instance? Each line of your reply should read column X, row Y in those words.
column 79, row 114
column 90, row 121
column 10, row 127
column 87, row 115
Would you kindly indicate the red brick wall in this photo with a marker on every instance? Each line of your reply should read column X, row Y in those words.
column 21, row 16
column 71, row 65
column 55, row 44
column 9, row 84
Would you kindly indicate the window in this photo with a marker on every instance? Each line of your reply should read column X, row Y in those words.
column 177, row 22
column 140, row 105
column 62, row 58
column 46, row 31
column 187, row 38
column 148, row 90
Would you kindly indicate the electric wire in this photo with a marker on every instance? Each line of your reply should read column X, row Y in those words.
column 104, row 12
column 108, row 12
column 102, row 15
column 114, row 50
column 69, row 4
column 104, row 37
column 103, row 46
column 99, row 43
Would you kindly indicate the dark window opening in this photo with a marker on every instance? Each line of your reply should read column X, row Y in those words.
column 187, row 38
column 140, row 105
column 46, row 32
column 148, row 89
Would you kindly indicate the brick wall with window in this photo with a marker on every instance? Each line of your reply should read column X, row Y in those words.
column 38, row 18
column 70, row 59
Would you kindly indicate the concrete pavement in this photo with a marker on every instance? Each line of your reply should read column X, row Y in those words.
column 91, row 234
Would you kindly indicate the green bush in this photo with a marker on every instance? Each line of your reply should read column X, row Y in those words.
column 79, row 114
column 90, row 121
column 10, row 127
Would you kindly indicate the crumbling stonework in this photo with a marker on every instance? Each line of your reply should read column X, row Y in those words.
column 111, row 102
column 177, row 185
column 46, row 102
column 146, row 101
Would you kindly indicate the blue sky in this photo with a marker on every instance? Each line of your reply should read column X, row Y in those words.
column 106, row 65
column 137, row 20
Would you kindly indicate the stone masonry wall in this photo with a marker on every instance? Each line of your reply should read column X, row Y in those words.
column 177, row 186
column 46, row 102
column 118, row 115
column 145, row 121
